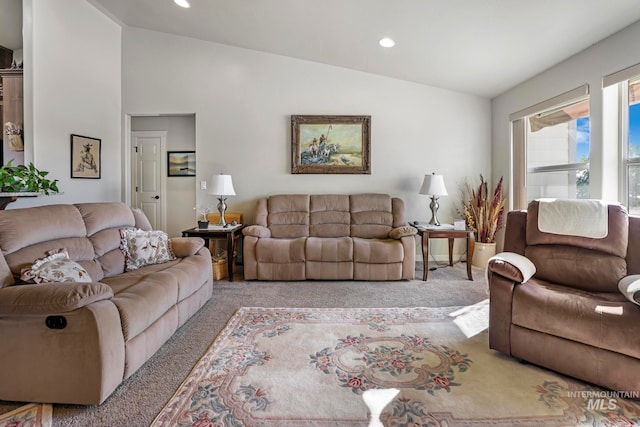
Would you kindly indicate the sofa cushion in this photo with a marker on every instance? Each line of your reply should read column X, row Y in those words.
column 54, row 222
column 55, row 267
column 371, row 215
column 58, row 226
column 337, row 249
column 288, row 216
column 552, row 309
column 145, row 248
column 142, row 299
column 329, row 216
column 615, row 243
column 377, row 251
column 597, row 272
column 280, row 250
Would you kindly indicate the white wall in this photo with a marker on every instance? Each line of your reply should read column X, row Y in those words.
column 181, row 194
column 608, row 56
column 243, row 100
column 72, row 63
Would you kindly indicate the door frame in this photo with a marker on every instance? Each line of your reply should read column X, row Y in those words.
column 128, row 155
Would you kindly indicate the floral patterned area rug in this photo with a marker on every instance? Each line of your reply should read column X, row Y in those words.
column 31, row 415
column 310, row 367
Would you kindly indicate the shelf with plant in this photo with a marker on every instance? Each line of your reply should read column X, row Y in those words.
column 25, row 179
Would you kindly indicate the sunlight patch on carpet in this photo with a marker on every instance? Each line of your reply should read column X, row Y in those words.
column 472, row 319
column 279, row 367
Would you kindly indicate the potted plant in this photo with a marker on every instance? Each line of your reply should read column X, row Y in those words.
column 25, row 179
column 483, row 213
column 203, row 223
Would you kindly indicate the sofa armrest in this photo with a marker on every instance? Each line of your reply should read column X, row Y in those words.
column 51, row 298
column 404, row 231
column 513, row 266
column 257, row 231
column 630, row 287
column 6, row 277
column 186, row 246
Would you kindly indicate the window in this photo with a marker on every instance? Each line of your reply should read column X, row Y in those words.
column 630, row 96
column 557, row 144
column 551, row 149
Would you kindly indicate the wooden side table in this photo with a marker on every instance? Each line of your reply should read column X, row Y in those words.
column 427, row 234
column 232, row 234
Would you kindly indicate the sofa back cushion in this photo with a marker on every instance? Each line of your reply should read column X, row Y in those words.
column 615, row 243
column 288, row 216
column 586, row 263
column 103, row 223
column 371, row 215
column 26, row 235
column 329, row 216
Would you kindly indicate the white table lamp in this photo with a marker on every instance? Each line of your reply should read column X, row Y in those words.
column 221, row 185
column 433, row 185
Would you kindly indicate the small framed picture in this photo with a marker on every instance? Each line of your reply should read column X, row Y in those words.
column 85, row 157
column 181, row 163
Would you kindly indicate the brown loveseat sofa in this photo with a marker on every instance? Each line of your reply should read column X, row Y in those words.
column 329, row 237
column 76, row 342
column 578, row 314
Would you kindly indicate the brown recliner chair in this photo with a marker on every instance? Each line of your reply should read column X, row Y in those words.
column 569, row 303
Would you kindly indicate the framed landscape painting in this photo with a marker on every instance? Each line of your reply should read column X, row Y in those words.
column 330, row 144
column 181, row 163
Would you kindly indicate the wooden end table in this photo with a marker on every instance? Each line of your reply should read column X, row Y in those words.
column 231, row 234
column 449, row 234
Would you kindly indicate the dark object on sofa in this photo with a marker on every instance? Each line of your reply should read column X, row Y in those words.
column 570, row 316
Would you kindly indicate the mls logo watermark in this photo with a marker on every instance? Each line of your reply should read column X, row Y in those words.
column 600, row 404
column 603, row 400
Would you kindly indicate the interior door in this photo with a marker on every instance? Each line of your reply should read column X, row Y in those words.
column 148, row 179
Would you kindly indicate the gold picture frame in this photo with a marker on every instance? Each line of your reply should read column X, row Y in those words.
column 330, row 144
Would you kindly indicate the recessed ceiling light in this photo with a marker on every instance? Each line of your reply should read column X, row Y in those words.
column 182, row 3
column 386, row 42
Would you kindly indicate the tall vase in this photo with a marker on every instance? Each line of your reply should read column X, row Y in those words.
column 482, row 253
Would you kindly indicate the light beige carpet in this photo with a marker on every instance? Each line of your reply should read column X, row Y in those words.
column 311, row 366
column 138, row 400
column 31, row 415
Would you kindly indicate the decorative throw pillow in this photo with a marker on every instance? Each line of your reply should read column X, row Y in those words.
column 142, row 248
column 55, row 267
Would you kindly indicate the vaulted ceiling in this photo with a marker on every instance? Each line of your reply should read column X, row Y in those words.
column 482, row 47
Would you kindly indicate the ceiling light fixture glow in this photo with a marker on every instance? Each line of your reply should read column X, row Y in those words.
column 386, row 42
column 182, row 3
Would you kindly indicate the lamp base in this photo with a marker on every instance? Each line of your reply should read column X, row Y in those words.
column 222, row 208
column 434, row 211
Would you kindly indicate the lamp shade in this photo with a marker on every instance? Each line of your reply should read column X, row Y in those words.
column 433, row 185
column 221, row 185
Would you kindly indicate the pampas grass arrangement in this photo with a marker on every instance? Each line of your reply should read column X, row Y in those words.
column 482, row 213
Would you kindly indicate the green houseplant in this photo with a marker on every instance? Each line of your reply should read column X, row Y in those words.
column 25, row 179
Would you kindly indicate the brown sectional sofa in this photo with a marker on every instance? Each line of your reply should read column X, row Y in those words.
column 76, row 342
column 572, row 315
column 329, row 237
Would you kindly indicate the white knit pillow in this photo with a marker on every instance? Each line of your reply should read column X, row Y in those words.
column 142, row 248
column 55, row 267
